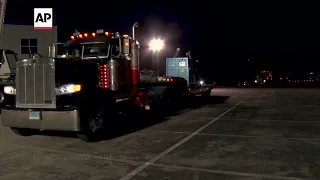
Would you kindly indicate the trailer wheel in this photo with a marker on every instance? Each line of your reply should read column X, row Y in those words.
column 170, row 100
column 92, row 125
column 23, row 132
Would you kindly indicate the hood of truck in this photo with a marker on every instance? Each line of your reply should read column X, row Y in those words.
column 69, row 71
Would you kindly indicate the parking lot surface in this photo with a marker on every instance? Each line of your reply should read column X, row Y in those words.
column 240, row 134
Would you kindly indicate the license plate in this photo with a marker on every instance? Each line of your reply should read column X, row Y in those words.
column 35, row 115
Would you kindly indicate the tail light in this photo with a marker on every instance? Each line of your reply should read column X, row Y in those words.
column 104, row 76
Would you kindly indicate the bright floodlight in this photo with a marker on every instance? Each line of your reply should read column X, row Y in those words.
column 201, row 82
column 156, row 44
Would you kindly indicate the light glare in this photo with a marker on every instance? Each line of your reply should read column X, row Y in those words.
column 156, row 44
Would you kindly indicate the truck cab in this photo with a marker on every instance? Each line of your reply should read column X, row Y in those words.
column 75, row 93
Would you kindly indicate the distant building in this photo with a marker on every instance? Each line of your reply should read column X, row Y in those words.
column 24, row 40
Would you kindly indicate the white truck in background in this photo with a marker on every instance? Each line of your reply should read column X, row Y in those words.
column 8, row 58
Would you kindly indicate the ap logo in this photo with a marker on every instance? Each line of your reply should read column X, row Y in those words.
column 43, row 18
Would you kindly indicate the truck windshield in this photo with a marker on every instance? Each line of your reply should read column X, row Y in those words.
column 88, row 50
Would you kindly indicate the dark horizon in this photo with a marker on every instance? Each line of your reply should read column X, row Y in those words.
column 272, row 35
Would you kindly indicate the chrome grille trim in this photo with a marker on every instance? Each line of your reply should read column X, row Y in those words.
column 35, row 83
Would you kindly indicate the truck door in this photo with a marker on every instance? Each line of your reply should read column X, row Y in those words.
column 8, row 61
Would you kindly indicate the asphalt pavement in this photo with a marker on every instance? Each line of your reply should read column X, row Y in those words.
column 238, row 133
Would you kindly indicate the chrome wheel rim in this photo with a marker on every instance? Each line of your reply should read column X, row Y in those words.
column 95, row 121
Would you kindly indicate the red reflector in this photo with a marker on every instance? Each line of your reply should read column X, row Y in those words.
column 104, row 80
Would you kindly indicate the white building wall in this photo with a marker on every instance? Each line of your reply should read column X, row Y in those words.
column 12, row 35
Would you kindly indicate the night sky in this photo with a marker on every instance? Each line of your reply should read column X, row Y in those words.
column 222, row 35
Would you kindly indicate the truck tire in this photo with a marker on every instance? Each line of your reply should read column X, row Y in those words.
column 23, row 132
column 92, row 125
column 170, row 100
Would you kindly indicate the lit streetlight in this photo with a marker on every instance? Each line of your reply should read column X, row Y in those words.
column 156, row 45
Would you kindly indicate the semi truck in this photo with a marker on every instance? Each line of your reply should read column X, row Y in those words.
column 263, row 77
column 86, row 90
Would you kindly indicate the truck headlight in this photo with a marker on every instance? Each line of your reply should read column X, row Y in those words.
column 69, row 88
column 9, row 90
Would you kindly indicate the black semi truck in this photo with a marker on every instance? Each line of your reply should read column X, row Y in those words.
column 86, row 89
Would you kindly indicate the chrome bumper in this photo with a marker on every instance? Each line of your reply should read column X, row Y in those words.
column 50, row 120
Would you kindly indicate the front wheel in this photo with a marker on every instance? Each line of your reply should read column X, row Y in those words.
column 23, row 131
column 92, row 125
column 171, row 101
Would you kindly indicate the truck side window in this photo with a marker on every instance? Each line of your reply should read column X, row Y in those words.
column 115, row 49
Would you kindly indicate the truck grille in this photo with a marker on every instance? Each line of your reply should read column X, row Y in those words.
column 35, row 83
